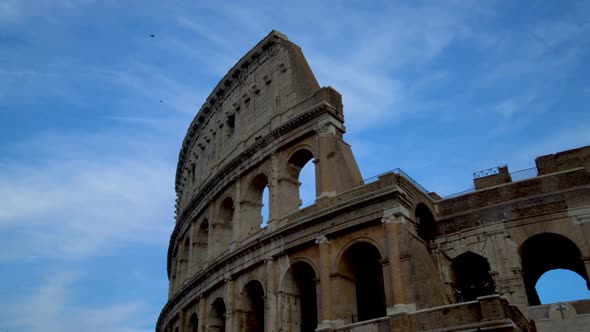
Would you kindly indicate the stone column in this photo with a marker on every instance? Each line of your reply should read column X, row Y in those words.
column 326, row 319
column 182, row 321
column 273, row 191
column 270, row 310
column 231, row 317
column 202, row 312
column 393, row 221
column 235, row 219
column 324, row 183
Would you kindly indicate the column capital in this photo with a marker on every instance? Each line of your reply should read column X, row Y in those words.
column 322, row 239
column 397, row 214
column 327, row 126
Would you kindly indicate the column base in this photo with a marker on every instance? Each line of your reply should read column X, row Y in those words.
column 401, row 309
column 329, row 325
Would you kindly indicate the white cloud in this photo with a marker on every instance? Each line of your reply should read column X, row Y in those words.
column 52, row 307
column 77, row 204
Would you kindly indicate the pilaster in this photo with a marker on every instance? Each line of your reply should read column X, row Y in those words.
column 393, row 221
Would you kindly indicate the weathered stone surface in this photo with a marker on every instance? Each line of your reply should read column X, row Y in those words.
column 380, row 256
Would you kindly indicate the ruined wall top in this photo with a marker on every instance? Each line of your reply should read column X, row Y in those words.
column 257, row 95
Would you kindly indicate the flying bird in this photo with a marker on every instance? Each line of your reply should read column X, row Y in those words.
column 152, row 36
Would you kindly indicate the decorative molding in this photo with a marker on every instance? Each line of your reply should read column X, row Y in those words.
column 397, row 214
column 323, row 239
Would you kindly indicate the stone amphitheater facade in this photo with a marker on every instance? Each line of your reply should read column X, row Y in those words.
column 380, row 255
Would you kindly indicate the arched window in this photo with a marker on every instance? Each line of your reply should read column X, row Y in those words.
column 307, row 187
column 253, row 307
column 544, row 252
column 194, row 323
column 300, row 283
column 216, row 318
column 200, row 244
column 425, row 223
column 184, row 259
column 265, row 207
column 173, row 272
column 472, row 277
column 361, row 276
column 294, row 192
column 222, row 235
column 252, row 218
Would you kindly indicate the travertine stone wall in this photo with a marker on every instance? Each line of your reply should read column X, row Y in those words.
column 378, row 256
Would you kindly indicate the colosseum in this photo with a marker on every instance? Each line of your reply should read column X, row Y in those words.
column 383, row 254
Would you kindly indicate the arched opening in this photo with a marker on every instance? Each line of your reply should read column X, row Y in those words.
column 548, row 251
column 265, row 206
column 307, row 187
column 298, row 296
column 472, row 277
column 360, row 277
column 200, row 244
column 252, row 218
column 294, row 192
column 173, row 273
column 251, row 318
column 425, row 223
column 193, row 323
column 183, row 261
column 216, row 319
column 550, row 287
column 224, row 225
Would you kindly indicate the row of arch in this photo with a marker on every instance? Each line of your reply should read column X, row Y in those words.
column 360, row 276
column 254, row 209
column 539, row 254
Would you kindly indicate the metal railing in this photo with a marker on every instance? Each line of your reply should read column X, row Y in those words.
column 399, row 172
column 519, row 175
column 487, row 172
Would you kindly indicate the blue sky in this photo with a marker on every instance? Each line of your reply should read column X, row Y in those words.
column 93, row 112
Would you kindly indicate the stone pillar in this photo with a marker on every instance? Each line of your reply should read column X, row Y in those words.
column 270, row 312
column 236, row 225
column 393, row 221
column 202, row 312
column 273, row 191
column 182, row 321
column 326, row 319
column 325, row 136
column 231, row 317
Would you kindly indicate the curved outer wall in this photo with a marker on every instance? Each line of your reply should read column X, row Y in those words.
column 381, row 255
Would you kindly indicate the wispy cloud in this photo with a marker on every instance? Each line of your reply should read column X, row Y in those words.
column 55, row 300
column 77, row 203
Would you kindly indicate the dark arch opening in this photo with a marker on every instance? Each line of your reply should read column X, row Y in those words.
column 302, row 174
column 216, row 320
column 425, row 223
column 548, row 251
column 299, row 296
column 254, row 307
column 183, row 272
column 361, row 263
column 305, row 281
column 194, row 323
column 224, row 225
column 472, row 277
column 201, row 244
column 226, row 213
